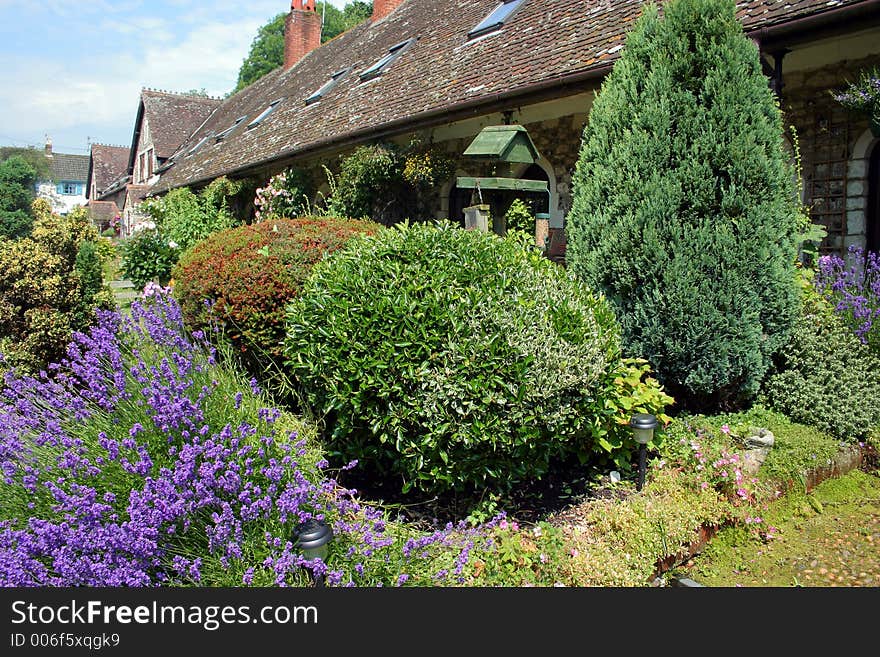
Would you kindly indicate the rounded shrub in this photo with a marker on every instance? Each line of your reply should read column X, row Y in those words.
column 453, row 359
column 825, row 376
column 240, row 279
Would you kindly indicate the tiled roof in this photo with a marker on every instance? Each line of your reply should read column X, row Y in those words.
column 72, row 168
column 546, row 45
column 174, row 117
column 102, row 211
column 108, row 164
column 137, row 193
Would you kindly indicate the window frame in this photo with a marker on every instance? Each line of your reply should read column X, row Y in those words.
column 264, row 114
column 487, row 25
column 327, row 86
column 378, row 67
column 223, row 134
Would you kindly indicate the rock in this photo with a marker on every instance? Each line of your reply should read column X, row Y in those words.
column 760, row 437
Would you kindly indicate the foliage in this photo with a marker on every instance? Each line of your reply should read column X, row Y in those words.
column 183, row 217
column 452, row 359
column 35, row 157
column 17, row 179
column 147, row 256
column 368, row 183
column 267, row 49
column 148, row 462
column 863, row 94
column 685, row 210
column 285, row 195
column 387, row 183
column 240, row 279
column 49, row 286
column 852, row 286
column 520, row 217
column 825, row 376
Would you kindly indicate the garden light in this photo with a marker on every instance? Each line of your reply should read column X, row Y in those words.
column 643, row 425
column 312, row 537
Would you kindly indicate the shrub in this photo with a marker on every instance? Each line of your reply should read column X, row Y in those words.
column 853, row 288
column 285, row 196
column 824, row 376
column 149, row 462
column 520, row 217
column 388, row 183
column 240, row 279
column 183, row 217
column 452, row 358
column 50, row 285
column 685, row 207
column 147, row 257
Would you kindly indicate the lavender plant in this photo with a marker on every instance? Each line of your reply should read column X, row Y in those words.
column 852, row 285
column 142, row 460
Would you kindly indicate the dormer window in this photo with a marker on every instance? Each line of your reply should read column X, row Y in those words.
column 378, row 68
column 266, row 112
column 495, row 20
column 327, row 86
column 222, row 135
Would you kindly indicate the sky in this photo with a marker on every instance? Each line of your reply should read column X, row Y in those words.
column 73, row 70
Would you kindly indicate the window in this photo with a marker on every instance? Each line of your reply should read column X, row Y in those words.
column 198, row 145
column 393, row 53
column 496, row 18
column 327, row 86
column 222, row 135
column 149, row 164
column 266, row 112
column 69, row 188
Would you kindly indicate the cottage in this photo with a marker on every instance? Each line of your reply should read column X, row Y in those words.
column 67, row 188
column 441, row 73
column 164, row 120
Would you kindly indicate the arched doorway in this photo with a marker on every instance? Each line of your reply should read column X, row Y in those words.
column 872, row 212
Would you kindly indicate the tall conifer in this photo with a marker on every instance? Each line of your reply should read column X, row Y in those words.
column 685, row 204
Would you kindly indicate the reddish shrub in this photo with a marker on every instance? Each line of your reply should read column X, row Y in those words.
column 241, row 279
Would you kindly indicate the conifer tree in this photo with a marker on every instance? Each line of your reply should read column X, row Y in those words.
column 685, row 204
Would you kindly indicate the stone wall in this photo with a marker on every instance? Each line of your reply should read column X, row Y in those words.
column 834, row 146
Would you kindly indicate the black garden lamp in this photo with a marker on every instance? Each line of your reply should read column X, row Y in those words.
column 312, row 537
column 643, row 425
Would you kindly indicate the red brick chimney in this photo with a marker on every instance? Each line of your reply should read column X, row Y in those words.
column 381, row 8
column 302, row 31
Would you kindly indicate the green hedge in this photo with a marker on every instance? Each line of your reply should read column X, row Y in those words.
column 452, row 359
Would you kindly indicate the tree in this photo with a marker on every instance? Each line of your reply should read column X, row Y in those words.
column 685, row 208
column 33, row 156
column 17, row 179
column 267, row 49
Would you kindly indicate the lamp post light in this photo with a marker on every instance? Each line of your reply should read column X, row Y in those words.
column 643, row 425
column 312, row 537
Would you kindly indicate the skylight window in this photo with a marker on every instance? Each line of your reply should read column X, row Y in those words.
column 222, row 135
column 327, row 86
column 266, row 112
column 198, row 145
column 495, row 20
column 393, row 53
